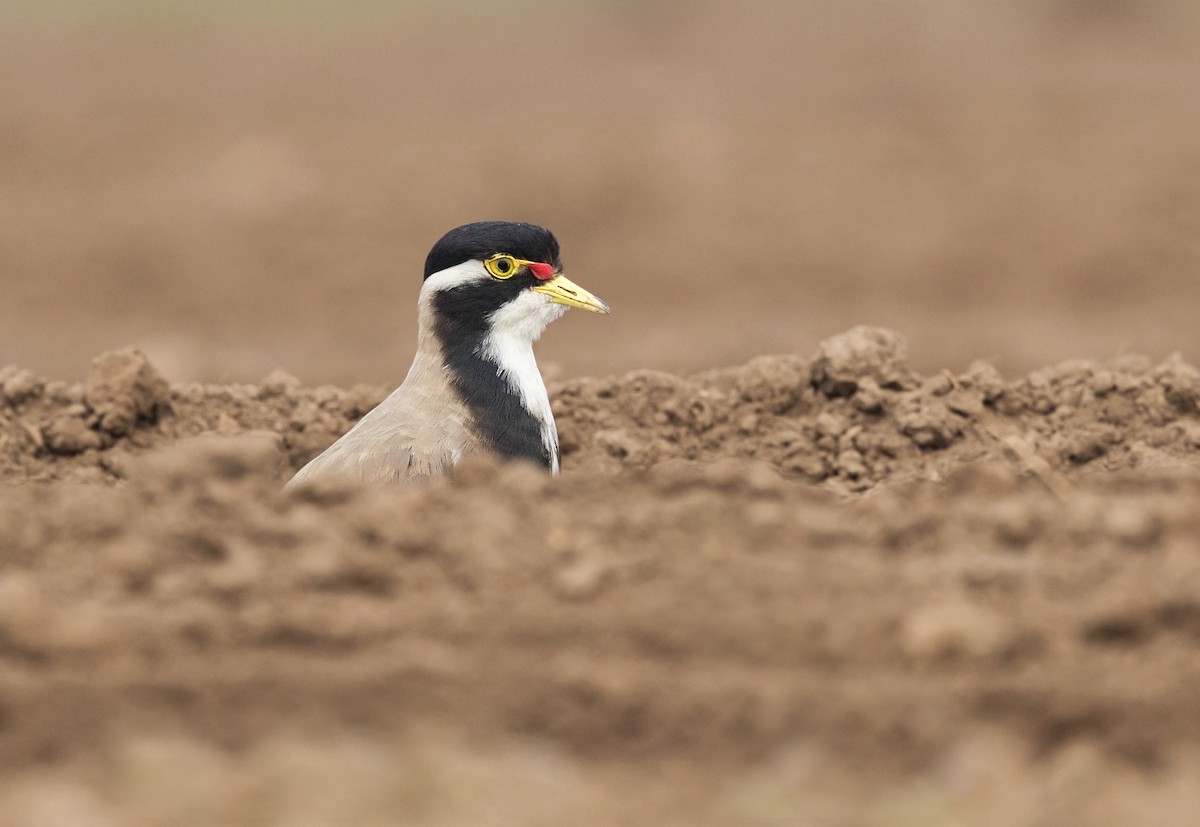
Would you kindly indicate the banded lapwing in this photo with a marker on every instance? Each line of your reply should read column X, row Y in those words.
column 490, row 290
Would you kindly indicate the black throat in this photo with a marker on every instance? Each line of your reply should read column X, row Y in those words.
column 501, row 419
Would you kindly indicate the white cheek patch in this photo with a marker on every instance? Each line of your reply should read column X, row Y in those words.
column 527, row 316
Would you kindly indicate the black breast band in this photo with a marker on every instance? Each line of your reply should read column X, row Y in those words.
column 501, row 419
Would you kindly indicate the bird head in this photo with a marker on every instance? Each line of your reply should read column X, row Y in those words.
column 494, row 275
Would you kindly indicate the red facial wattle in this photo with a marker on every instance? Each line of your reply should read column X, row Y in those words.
column 541, row 271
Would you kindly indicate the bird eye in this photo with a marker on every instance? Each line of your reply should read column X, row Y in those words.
column 501, row 266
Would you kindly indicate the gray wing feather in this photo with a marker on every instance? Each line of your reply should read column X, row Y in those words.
column 396, row 442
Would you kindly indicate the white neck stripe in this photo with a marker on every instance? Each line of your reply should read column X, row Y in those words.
column 509, row 345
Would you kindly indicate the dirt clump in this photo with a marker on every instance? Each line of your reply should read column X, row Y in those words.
column 795, row 584
column 852, row 417
column 123, row 388
column 864, row 357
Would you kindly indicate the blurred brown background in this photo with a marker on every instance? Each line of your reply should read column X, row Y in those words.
column 236, row 190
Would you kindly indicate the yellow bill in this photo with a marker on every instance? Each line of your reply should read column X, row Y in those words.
column 564, row 291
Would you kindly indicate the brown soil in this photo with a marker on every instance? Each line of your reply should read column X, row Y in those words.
column 826, row 590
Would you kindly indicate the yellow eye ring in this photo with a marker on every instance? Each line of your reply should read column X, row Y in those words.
column 503, row 266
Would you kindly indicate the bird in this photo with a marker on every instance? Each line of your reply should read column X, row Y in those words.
column 490, row 289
